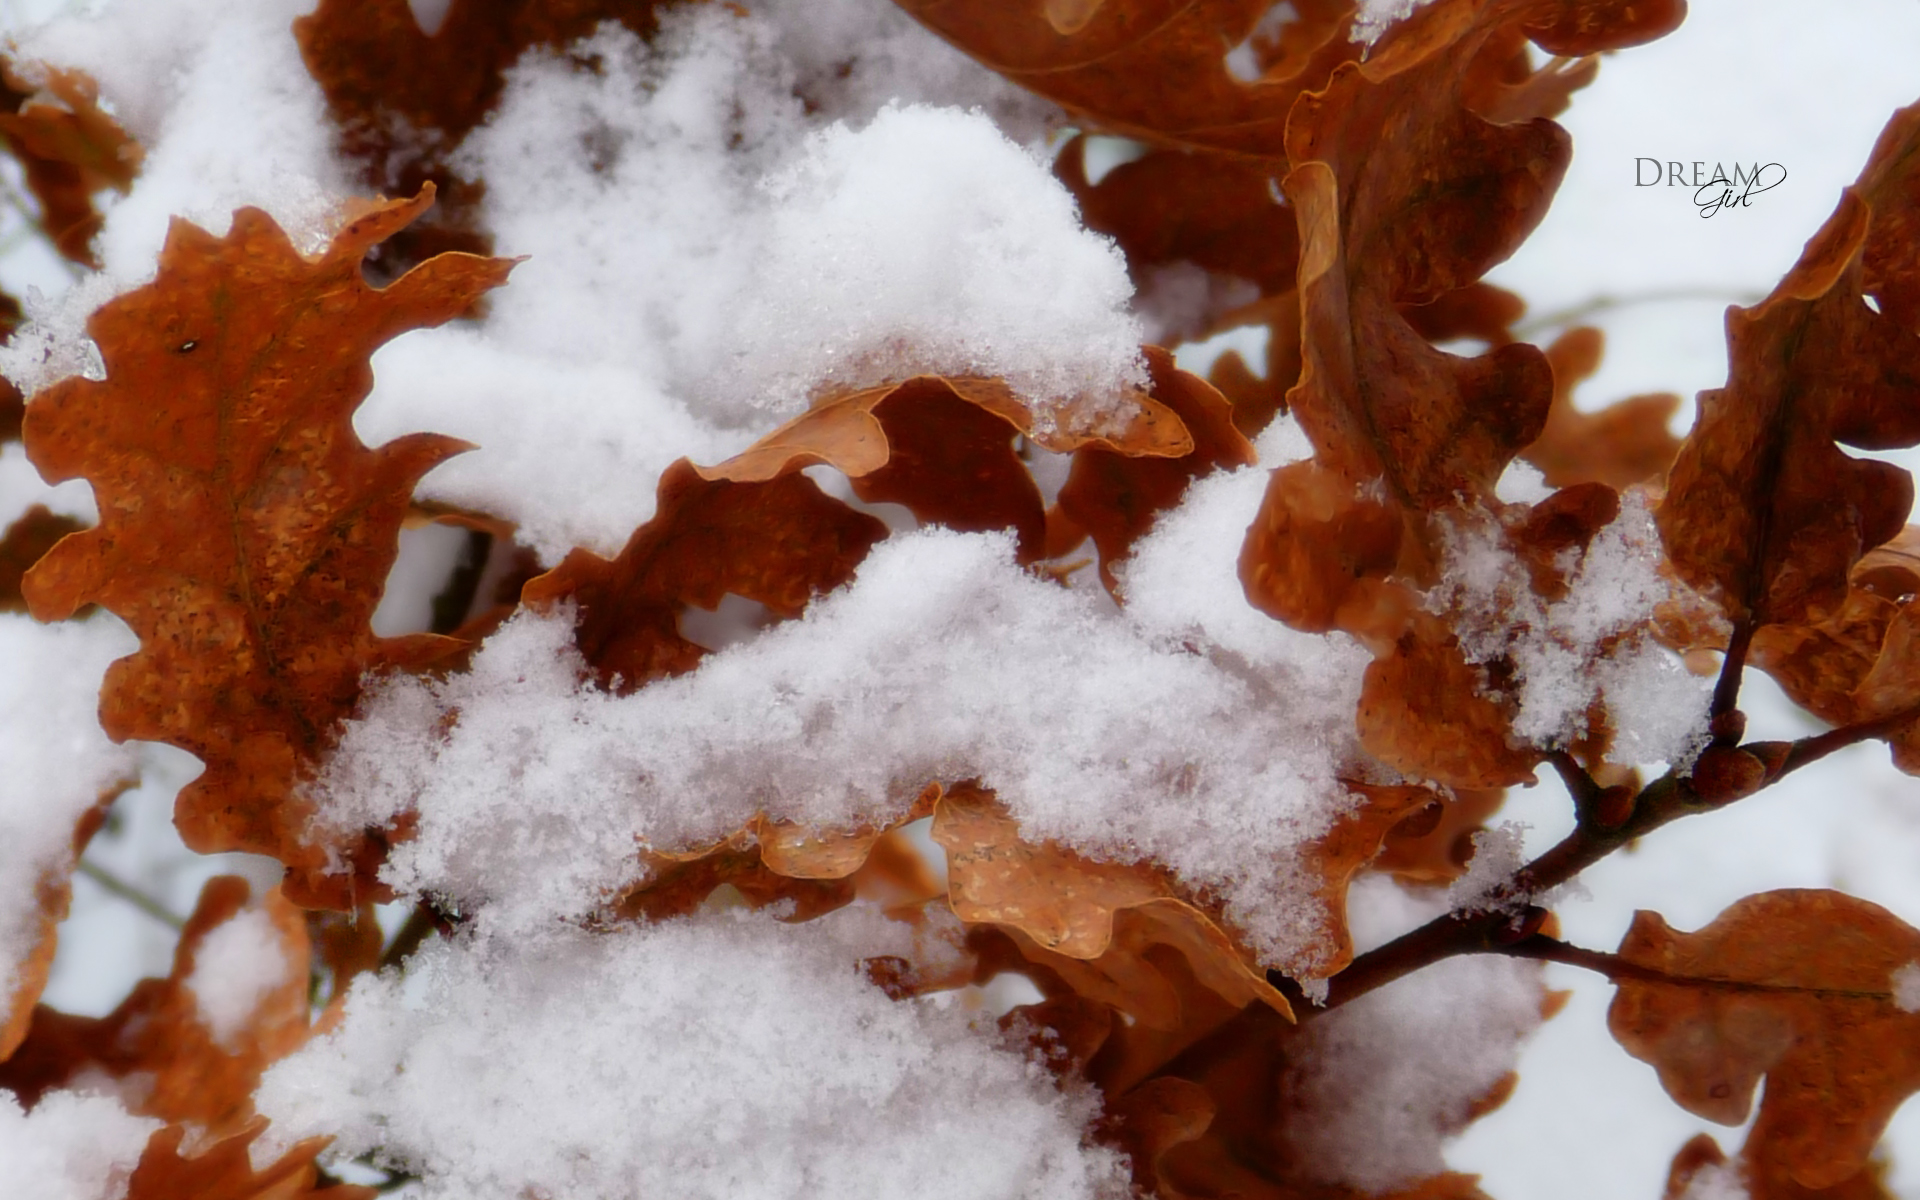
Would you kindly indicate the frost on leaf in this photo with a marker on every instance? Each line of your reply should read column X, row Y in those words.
column 245, row 532
column 197, row 1041
column 1114, row 497
column 67, row 147
column 1410, row 178
column 402, row 97
column 1795, row 986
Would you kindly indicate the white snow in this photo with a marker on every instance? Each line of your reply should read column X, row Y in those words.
column 1379, row 1084
column 71, row 1146
column 705, row 254
column 727, row 1057
column 1375, row 17
column 228, row 116
column 1594, row 642
column 234, row 967
column 1906, row 987
column 1194, row 734
column 54, row 763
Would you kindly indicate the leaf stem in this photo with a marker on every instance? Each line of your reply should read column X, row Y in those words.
column 1614, row 967
column 1816, row 747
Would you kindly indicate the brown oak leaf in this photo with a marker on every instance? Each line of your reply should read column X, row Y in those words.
column 1154, row 69
column 1218, row 211
column 224, row 1171
column 1098, row 925
column 1624, row 443
column 778, row 541
column 1427, row 711
column 25, row 543
column 1763, row 509
column 1347, row 848
column 245, row 531
column 1115, row 497
column 1405, row 195
column 1796, row 986
column 68, row 148
column 194, row 1069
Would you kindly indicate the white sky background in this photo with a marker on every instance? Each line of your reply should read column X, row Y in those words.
column 1806, row 86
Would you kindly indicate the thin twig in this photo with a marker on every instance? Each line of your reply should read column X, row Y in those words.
column 1816, row 747
column 1606, row 302
column 116, row 886
column 1513, row 919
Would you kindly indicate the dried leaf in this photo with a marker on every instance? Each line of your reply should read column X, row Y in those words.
column 224, row 1171
column 1801, row 994
column 1258, row 399
column 1095, row 922
column 1625, row 443
column 1427, row 711
column 1318, row 553
column 1155, row 69
column 1405, row 195
column 68, row 147
column 778, row 542
column 1115, row 497
column 1418, row 852
column 1219, row 211
column 1377, row 401
column 245, row 532
column 26, row 541
column 1762, row 507
column 1349, row 846
column 160, row 1033
column 845, row 430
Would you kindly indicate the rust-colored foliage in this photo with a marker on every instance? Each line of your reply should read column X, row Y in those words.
column 1405, row 194
column 25, row 543
column 1762, row 507
column 1625, row 443
column 777, row 541
column 1154, row 69
column 1799, row 990
column 68, row 149
column 1219, row 211
column 1350, row 846
column 1857, row 663
column 224, row 1171
column 197, row 1075
column 244, row 529
column 1114, row 497
column 1103, row 927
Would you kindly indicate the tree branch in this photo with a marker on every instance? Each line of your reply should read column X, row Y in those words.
column 1513, row 918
